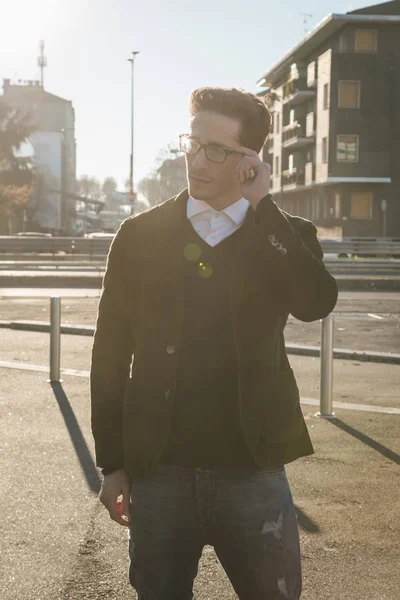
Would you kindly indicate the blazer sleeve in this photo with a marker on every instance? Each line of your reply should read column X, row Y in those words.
column 296, row 256
column 112, row 351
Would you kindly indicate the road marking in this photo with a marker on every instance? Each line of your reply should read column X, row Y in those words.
column 353, row 406
column 310, row 401
column 374, row 316
column 41, row 369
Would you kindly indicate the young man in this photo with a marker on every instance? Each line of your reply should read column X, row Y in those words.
column 194, row 433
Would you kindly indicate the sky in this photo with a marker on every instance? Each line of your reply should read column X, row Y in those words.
column 183, row 45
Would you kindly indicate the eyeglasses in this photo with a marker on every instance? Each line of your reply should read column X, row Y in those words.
column 213, row 152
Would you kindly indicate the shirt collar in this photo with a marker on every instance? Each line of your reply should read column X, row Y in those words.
column 236, row 211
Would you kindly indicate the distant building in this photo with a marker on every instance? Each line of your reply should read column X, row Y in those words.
column 335, row 102
column 54, row 149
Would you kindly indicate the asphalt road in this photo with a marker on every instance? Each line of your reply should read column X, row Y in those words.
column 363, row 320
column 57, row 541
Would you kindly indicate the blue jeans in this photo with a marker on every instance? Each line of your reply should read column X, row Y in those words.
column 247, row 515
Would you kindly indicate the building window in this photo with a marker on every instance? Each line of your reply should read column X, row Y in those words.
column 347, row 148
column 291, row 116
column 361, row 205
column 366, row 40
column 277, row 122
column 326, row 91
column 324, row 150
column 349, row 94
column 276, row 166
column 290, row 162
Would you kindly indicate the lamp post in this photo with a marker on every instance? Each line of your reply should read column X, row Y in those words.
column 131, row 194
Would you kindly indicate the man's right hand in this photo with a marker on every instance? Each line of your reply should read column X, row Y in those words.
column 114, row 485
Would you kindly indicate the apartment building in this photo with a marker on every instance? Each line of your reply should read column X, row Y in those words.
column 54, row 148
column 335, row 103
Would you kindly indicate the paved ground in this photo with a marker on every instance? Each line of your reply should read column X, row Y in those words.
column 58, row 542
column 363, row 320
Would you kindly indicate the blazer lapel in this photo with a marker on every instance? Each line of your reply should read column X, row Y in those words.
column 167, row 253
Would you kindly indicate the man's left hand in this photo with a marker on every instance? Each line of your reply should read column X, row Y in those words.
column 254, row 176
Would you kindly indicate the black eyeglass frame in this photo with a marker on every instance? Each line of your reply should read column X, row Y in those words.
column 205, row 146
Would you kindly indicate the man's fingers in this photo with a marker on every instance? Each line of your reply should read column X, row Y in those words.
column 246, row 169
column 115, row 516
column 126, row 505
column 115, row 495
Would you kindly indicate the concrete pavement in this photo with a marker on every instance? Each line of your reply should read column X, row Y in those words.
column 58, row 542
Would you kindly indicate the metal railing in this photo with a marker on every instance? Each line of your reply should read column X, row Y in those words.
column 293, row 176
column 362, row 246
column 54, row 245
column 97, row 249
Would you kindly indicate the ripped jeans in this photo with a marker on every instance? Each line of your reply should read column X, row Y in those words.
column 247, row 515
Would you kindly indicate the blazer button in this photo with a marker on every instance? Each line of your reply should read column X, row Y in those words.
column 171, row 349
column 168, row 395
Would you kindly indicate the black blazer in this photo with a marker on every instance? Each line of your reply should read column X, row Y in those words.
column 279, row 270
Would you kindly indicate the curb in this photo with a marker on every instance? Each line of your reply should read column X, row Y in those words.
column 391, row 358
column 94, row 280
column 44, row 327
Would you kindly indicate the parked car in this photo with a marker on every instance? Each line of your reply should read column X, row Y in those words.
column 99, row 235
column 34, row 234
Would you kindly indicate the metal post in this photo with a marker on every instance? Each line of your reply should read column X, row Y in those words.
column 55, row 339
column 326, row 368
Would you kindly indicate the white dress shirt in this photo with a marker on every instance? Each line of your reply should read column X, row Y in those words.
column 212, row 225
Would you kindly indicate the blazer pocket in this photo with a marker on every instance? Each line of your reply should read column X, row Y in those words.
column 281, row 406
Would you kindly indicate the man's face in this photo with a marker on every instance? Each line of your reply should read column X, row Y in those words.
column 206, row 179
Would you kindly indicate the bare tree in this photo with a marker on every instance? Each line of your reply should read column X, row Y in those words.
column 167, row 179
column 16, row 172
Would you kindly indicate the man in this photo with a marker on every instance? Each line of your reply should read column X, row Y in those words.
column 194, row 432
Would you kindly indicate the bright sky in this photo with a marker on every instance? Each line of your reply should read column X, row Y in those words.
column 183, row 45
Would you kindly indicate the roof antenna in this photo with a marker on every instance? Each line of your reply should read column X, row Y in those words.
column 305, row 17
column 42, row 62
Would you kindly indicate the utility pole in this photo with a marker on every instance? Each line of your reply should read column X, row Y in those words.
column 42, row 62
column 305, row 17
column 131, row 192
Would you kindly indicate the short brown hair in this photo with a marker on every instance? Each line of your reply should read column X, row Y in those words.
column 235, row 103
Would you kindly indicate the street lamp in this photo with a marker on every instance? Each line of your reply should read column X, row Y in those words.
column 131, row 194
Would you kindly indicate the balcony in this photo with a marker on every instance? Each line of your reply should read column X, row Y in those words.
column 296, row 91
column 294, row 136
column 291, row 179
column 310, row 173
column 310, row 125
